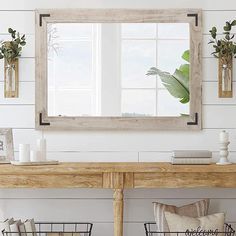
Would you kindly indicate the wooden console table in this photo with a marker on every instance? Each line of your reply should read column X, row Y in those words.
column 117, row 176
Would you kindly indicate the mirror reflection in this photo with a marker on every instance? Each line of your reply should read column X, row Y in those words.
column 118, row 69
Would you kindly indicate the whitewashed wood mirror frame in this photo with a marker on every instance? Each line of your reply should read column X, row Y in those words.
column 192, row 121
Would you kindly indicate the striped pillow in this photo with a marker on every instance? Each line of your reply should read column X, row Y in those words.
column 196, row 209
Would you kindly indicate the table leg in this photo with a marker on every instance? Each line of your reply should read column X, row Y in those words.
column 118, row 206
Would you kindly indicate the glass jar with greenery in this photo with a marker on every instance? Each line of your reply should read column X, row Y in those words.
column 10, row 51
column 225, row 51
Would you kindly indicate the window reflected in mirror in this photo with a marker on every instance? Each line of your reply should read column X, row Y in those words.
column 118, row 69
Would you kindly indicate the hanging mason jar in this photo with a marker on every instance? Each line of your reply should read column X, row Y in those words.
column 11, row 81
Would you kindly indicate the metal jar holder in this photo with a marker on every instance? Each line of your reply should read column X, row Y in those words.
column 151, row 230
column 56, row 229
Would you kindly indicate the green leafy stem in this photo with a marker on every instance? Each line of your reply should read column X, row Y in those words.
column 11, row 50
column 224, row 47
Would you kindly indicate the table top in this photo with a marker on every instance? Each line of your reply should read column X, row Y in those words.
column 67, row 168
column 117, row 175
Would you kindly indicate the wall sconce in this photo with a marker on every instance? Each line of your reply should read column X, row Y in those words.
column 10, row 51
column 225, row 51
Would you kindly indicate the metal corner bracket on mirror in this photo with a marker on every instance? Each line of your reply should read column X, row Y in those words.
column 195, row 122
column 41, row 18
column 41, row 122
column 196, row 17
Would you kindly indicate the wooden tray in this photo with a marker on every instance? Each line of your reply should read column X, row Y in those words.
column 40, row 163
column 4, row 162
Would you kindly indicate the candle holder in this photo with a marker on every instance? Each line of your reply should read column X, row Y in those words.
column 224, row 154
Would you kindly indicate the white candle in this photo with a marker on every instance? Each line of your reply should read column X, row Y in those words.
column 24, row 152
column 224, row 136
column 42, row 148
column 35, row 156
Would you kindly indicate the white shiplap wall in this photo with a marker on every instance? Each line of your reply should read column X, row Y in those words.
column 96, row 205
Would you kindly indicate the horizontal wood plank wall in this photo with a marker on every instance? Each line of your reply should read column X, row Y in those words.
column 87, row 204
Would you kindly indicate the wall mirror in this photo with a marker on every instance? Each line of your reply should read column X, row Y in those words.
column 118, row 69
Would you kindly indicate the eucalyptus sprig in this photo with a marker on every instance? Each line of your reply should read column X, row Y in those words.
column 225, row 47
column 11, row 50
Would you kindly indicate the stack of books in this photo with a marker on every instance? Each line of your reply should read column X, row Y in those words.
column 191, row 157
column 18, row 228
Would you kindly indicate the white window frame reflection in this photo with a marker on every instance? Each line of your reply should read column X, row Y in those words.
column 95, row 74
column 158, row 85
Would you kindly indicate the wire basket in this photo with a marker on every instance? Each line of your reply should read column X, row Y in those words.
column 56, row 229
column 151, row 230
